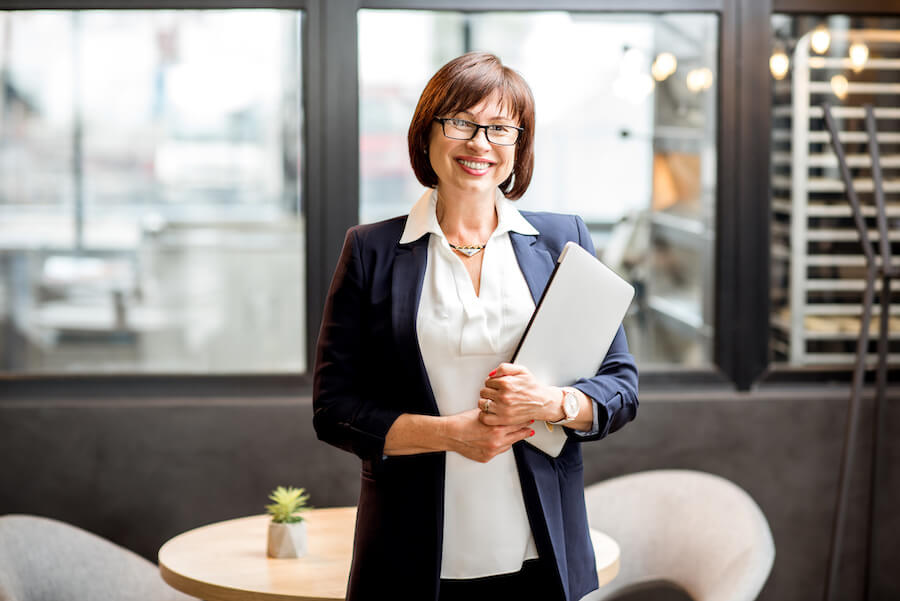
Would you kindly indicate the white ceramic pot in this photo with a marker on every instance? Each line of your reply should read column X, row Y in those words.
column 287, row 540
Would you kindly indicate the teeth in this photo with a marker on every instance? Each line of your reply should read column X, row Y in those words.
column 474, row 165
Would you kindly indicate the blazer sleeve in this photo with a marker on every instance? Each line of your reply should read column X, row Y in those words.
column 342, row 414
column 614, row 388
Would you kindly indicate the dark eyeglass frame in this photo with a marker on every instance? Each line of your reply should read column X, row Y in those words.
column 478, row 127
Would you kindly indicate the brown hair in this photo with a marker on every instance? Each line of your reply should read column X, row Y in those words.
column 459, row 85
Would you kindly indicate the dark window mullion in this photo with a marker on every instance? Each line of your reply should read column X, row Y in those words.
column 725, row 317
column 313, row 184
column 751, row 291
column 335, row 144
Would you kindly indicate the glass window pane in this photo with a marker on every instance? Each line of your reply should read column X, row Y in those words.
column 626, row 138
column 150, row 215
column 817, row 264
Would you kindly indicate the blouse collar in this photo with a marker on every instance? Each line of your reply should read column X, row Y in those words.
column 423, row 218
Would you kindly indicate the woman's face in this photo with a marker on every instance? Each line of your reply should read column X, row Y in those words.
column 473, row 167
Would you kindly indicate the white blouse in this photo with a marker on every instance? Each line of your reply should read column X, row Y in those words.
column 462, row 337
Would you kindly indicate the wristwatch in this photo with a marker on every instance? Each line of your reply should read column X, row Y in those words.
column 570, row 408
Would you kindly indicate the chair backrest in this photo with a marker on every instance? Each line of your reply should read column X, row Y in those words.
column 47, row 560
column 697, row 530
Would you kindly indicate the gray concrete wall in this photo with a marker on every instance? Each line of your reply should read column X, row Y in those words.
column 139, row 472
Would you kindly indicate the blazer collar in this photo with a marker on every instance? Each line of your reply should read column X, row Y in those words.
column 535, row 262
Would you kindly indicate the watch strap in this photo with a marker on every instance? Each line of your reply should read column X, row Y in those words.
column 566, row 419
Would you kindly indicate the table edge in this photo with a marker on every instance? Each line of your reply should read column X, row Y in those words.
column 608, row 573
column 213, row 592
column 217, row 592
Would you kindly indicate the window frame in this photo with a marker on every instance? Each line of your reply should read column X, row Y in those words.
column 330, row 188
column 99, row 385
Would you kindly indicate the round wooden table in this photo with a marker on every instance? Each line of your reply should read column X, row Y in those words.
column 227, row 561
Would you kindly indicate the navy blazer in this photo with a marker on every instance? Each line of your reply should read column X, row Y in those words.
column 369, row 371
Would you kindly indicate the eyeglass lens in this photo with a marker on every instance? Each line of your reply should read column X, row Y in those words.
column 460, row 129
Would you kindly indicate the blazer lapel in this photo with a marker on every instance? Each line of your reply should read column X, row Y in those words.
column 406, row 290
column 534, row 261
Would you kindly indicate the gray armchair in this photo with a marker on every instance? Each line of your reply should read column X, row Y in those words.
column 697, row 531
column 46, row 560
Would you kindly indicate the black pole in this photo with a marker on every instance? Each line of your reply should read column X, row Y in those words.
column 848, row 455
column 878, row 417
column 876, row 268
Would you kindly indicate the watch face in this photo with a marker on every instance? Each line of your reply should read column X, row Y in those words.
column 570, row 405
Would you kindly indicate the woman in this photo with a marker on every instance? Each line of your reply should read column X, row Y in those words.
column 410, row 375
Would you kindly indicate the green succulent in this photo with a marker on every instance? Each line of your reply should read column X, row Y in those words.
column 288, row 503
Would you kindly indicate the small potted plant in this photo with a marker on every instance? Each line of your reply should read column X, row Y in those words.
column 287, row 530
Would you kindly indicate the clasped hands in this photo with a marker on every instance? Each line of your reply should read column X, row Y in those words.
column 512, row 395
column 512, row 399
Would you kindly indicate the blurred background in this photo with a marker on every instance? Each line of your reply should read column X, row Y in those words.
column 150, row 205
column 153, row 214
column 176, row 182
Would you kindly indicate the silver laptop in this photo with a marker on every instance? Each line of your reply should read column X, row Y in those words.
column 572, row 328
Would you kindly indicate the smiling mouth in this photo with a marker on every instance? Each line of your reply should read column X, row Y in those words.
column 476, row 165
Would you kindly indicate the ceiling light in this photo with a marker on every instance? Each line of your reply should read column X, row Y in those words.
column 820, row 39
column 664, row 65
column 779, row 63
column 840, row 86
column 699, row 79
column 859, row 54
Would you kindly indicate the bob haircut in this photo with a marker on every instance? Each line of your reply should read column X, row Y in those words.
column 459, row 85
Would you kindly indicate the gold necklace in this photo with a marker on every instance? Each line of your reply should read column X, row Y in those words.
column 470, row 250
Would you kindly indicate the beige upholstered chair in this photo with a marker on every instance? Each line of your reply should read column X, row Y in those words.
column 46, row 560
column 698, row 531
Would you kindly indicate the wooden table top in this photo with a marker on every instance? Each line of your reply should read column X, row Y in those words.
column 227, row 561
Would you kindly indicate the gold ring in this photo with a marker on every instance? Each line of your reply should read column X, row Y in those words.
column 487, row 406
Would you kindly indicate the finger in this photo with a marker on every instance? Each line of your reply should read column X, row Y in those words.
column 498, row 383
column 520, row 434
column 493, row 406
column 509, row 369
column 489, row 393
column 515, row 429
column 498, row 421
column 505, row 369
column 489, row 419
column 505, row 416
column 502, row 402
column 522, row 425
column 508, row 425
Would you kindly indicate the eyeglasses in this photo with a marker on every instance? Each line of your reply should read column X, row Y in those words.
column 460, row 129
